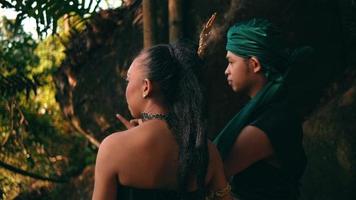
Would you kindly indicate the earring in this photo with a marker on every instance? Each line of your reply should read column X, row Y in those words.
column 144, row 96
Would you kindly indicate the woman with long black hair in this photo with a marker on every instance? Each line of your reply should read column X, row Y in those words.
column 168, row 155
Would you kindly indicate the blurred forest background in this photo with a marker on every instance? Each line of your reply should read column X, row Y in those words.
column 61, row 87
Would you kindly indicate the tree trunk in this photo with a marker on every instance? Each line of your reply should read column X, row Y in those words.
column 175, row 20
column 149, row 23
column 162, row 21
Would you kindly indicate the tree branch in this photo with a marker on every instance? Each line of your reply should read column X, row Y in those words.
column 32, row 175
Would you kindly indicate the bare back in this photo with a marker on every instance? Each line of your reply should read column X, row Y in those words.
column 147, row 157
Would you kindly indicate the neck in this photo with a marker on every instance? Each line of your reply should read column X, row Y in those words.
column 153, row 107
column 154, row 110
column 259, row 84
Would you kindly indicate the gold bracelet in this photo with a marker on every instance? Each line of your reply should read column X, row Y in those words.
column 219, row 194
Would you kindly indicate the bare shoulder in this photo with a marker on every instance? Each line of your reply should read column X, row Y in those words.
column 112, row 140
column 134, row 140
column 115, row 141
column 253, row 131
column 107, row 168
column 152, row 136
column 113, row 147
column 252, row 137
column 250, row 146
column 126, row 139
column 122, row 160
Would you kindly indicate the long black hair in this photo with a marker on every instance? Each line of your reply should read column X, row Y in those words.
column 175, row 69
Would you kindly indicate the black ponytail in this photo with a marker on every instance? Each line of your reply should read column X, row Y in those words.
column 175, row 69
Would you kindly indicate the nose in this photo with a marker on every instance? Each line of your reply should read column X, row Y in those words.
column 227, row 70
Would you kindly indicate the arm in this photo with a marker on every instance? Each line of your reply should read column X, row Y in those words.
column 105, row 186
column 218, row 182
column 250, row 146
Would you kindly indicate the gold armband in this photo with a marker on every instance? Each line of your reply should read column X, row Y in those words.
column 219, row 194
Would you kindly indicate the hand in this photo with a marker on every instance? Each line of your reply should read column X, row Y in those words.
column 129, row 124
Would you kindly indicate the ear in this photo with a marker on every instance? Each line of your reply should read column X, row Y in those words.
column 255, row 64
column 147, row 88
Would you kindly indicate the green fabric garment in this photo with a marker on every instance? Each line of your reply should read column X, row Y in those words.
column 259, row 38
column 256, row 37
column 226, row 138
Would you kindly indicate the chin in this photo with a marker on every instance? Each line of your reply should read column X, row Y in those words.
column 238, row 90
column 235, row 89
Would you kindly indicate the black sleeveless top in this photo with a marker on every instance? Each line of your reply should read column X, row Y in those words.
column 131, row 193
column 261, row 180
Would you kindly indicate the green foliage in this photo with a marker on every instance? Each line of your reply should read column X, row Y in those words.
column 16, row 46
column 34, row 137
column 47, row 13
column 16, row 50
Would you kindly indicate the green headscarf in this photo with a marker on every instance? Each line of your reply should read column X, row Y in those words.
column 259, row 38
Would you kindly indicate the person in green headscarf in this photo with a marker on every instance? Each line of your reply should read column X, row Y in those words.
column 262, row 145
